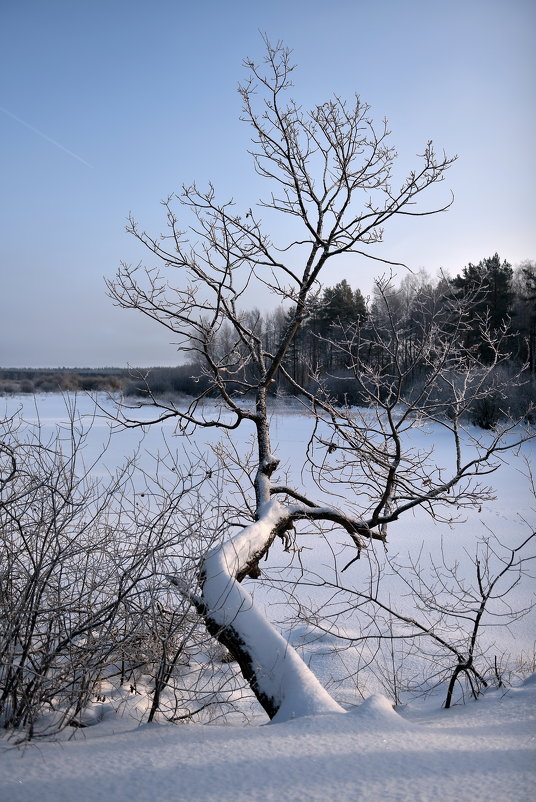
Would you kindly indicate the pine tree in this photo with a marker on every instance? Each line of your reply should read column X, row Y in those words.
column 491, row 282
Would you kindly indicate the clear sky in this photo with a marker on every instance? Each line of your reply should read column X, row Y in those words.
column 108, row 106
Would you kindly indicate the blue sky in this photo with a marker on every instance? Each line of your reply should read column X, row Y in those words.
column 108, row 107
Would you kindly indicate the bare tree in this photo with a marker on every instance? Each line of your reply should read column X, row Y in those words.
column 330, row 174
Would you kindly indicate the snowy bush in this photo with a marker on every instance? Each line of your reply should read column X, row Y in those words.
column 84, row 602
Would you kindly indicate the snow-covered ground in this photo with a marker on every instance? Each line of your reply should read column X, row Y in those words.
column 484, row 750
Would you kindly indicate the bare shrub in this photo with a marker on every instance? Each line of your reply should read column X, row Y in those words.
column 83, row 594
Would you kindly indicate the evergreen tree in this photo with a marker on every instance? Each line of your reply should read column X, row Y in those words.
column 339, row 307
column 491, row 283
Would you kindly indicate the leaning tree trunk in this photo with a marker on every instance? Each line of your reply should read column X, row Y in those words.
column 281, row 681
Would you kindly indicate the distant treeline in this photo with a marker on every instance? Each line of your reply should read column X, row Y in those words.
column 54, row 380
column 502, row 299
column 182, row 379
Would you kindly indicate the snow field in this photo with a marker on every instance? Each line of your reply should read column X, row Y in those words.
column 483, row 752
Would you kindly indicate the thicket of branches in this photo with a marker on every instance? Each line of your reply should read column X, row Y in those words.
column 87, row 618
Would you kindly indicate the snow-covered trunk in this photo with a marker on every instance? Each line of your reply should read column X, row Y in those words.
column 281, row 681
column 283, row 684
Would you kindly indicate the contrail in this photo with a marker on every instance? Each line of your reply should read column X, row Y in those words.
column 44, row 136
